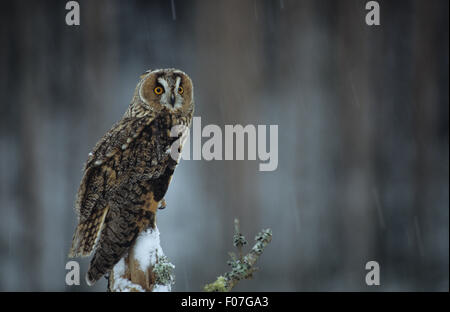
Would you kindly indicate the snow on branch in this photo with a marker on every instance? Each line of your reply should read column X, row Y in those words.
column 242, row 267
column 144, row 268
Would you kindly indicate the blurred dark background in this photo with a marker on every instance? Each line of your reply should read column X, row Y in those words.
column 362, row 111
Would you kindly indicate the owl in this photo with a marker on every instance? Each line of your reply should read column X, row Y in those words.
column 128, row 173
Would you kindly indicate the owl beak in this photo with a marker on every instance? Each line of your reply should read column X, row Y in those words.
column 172, row 99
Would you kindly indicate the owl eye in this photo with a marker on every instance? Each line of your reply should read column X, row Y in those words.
column 180, row 90
column 158, row 90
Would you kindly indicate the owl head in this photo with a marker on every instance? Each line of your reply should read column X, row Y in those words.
column 163, row 90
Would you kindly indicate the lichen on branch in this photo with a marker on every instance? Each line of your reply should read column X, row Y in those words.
column 242, row 267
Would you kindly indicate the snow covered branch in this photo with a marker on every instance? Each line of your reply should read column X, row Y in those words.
column 242, row 267
column 144, row 268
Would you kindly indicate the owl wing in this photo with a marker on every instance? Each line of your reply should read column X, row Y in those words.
column 133, row 208
column 134, row 200
column 91, row 204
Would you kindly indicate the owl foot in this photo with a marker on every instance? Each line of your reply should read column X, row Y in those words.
column 162, row 204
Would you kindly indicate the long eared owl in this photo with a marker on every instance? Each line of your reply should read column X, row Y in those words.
column 127, row 174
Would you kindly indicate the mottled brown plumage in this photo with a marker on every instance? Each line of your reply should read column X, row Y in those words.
column 128, row 172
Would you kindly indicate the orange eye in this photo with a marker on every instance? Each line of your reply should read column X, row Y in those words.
column 180, row 90
column 158, row 90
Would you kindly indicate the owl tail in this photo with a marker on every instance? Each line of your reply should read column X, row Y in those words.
column 117, row 237
column 113, row 245
column 87, row 234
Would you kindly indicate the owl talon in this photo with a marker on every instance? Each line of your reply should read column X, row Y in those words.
column 162, row 204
